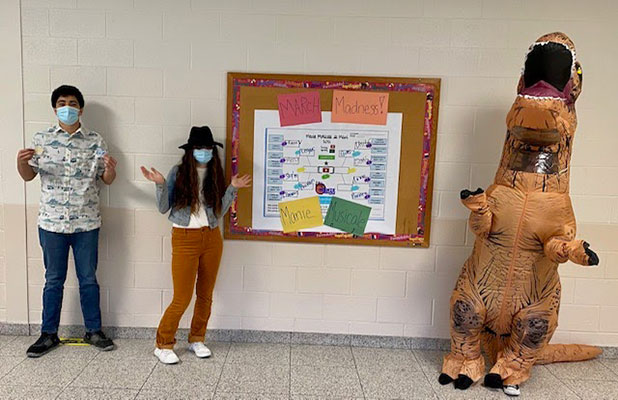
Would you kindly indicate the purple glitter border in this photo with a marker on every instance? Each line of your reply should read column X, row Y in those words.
column 415, row 239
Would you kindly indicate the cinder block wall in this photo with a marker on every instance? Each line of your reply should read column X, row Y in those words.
column 151, row 69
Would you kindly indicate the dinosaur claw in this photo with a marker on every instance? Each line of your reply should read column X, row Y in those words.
column 445, row 379
column 593, row 258
column 493, row 381
column 463, row 382
column 464, row 194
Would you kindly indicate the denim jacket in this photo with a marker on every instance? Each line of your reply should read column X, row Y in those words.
column 165, row 202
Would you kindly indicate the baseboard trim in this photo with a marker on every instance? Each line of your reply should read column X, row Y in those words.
column 255, row 336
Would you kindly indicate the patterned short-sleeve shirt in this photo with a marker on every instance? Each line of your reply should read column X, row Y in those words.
column 70, row 166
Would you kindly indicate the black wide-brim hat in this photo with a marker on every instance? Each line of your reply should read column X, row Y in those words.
column 200, row 136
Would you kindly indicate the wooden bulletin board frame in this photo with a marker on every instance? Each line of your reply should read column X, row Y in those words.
column 416, row 98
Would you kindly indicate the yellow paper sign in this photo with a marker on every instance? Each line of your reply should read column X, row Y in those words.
column 300, row 214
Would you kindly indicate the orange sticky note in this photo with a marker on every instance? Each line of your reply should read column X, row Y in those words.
column 300, row 214
column 356, row 107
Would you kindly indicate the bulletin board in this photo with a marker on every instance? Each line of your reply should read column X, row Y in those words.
column 388, row 167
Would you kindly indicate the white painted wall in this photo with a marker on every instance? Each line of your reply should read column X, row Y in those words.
column 13, row 279
column 151, row 69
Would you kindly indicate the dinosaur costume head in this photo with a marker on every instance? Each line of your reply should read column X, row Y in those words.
column 542, row 121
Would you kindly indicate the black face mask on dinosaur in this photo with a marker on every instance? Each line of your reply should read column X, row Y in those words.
column 547, row 72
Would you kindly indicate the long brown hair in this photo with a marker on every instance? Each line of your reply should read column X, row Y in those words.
column 186, row 189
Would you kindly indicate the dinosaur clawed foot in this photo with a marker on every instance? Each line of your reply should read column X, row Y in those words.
column 444, row 379
column 493, row 381
column 460, row 371
column 463, row 382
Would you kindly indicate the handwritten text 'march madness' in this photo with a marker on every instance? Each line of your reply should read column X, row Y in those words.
column 299, row 108
column 360, row 107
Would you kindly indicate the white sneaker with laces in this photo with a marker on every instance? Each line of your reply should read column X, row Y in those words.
column 166, row 356
column 200, row 349
column 511, row 390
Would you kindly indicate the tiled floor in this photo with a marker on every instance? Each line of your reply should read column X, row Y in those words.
column 268, row 371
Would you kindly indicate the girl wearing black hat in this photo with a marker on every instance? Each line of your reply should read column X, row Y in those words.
column 195, row 193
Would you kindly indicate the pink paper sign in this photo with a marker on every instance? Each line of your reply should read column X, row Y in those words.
column 356, row 107
column 299, row 108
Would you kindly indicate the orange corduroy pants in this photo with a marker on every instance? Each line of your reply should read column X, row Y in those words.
column 196, row 254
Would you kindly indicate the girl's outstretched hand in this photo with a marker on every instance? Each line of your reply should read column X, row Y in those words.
column 153, row 175
column 241, row 182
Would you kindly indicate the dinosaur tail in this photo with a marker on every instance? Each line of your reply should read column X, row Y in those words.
column 553, row 353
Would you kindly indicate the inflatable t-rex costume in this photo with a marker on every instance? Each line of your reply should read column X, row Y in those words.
column 508, row 293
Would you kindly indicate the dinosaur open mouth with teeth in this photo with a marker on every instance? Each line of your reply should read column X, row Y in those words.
column 547, row 71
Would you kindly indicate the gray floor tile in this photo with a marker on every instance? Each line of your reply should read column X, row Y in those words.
column 366, row 357
column 259, row 353
column 18, row 346
column 4, row 339
column 8, row 363
column 119, row 374
column 610, row 363
column 245, row 378
column 131, row 348
column 323, row 380
column 393, row 383
column 72, row 393
column 584, row 370
column 322, row 355
column 305, row 397
column 44, row 371
column 544, row 385
column 219, row 351
column 430, row 361
column 194, row 393
column 250, row 396
column 184, row 375
column 605, row 390
column 28, row 392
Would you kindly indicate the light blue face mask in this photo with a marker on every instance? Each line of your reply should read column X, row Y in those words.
column 67, row 115
column 202, row 156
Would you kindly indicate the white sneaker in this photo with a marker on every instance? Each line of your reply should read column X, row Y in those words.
column 511, row 390
column 200, row 349
column 166, row 356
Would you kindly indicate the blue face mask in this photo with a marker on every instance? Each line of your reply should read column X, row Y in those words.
column 202, row 156
column 67, row 115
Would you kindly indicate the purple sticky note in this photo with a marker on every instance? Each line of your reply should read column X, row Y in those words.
column 299, row 108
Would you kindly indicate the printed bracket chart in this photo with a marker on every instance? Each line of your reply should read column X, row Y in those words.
column 292, row 158
column 359, row 163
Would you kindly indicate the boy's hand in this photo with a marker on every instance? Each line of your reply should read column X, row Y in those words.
column 24, row 155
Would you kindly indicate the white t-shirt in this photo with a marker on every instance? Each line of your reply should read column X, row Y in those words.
column 199, row 219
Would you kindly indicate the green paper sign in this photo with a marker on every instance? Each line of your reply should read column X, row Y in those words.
column 347, row 216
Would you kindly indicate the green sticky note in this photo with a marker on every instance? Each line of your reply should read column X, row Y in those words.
column 347, row 216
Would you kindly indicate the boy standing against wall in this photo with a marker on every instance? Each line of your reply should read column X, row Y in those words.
column 70, row 159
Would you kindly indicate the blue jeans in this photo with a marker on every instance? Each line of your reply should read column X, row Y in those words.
column 56, row 256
